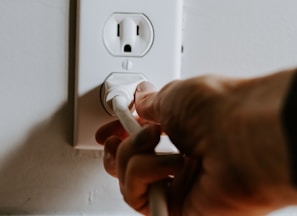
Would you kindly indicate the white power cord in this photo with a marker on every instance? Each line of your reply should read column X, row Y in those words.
column 157, row 198
column 117, row 95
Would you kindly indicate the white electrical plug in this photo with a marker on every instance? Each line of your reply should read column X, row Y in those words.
column 120, row 84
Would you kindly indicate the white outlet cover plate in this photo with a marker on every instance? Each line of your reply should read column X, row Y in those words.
column 94, row 63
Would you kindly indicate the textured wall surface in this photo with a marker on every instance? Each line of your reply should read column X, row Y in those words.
column 40, row 173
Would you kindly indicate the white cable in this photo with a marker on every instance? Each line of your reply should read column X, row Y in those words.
column 157, row 198
column 120, row 107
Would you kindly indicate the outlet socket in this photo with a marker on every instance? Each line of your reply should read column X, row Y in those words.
column 128, row 34
column 158, row 57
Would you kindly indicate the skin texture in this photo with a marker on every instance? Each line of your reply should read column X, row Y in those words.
column 233, row 158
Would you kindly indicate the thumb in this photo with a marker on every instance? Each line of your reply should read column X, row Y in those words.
column 145, row 102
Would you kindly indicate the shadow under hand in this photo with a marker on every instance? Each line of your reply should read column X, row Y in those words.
column 46, row 173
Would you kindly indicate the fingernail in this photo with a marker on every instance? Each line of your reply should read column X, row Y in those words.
column 146, row 86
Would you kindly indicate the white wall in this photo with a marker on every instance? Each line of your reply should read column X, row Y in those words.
column 40, row 173
column 239, row 38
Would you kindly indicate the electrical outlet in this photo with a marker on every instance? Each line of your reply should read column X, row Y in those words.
column 128, row 34
column 131, row 36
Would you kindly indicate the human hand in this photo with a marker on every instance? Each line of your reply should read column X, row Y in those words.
column 233, row 157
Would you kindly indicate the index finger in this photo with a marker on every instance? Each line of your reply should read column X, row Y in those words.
column 145, row 102
column 142, row 143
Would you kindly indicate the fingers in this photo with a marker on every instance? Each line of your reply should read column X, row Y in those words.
column 111, row 129
column 145, row 102
column 134, row 162
column 152, row 105
column 142, row 171
column 143, row 143
column 114, row 128
column 110, row 152
column 183, row 184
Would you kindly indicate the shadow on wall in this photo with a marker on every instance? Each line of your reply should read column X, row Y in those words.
column 36, row 171
column 45, row 174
